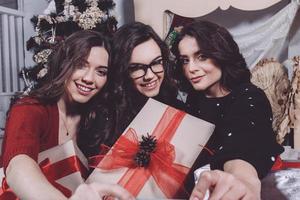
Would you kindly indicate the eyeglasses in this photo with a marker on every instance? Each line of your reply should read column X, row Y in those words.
column 138, row 70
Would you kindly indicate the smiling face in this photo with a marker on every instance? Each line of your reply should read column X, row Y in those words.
column 148, row 53
column 87, row 80
column 201, row 71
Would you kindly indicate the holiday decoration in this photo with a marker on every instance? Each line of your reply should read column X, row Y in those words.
column 151, row 159
column 61, row 19
column 146, row 147
column 272, row 78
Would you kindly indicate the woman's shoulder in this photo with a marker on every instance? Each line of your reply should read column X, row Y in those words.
column 27, row 100
column 250, row 97
column 31, row 105
column 247, row 89
column 249, row 92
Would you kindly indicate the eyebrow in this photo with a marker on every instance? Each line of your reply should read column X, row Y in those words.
column 196, row 53
column 156, row 58
column 102, row 66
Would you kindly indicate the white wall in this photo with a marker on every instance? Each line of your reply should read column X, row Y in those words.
column 9, row 3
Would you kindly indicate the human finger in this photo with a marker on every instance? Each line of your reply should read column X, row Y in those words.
column 113, row 190
column 238, row 191
column 206, row 180
column 222, row 185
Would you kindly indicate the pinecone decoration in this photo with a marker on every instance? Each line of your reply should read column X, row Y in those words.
column 148, row 143
column 146, row 147
column 142, row 158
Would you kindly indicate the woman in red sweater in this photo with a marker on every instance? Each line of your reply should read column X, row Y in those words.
column 53, row 114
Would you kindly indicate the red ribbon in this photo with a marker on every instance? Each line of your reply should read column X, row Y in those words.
column 52, row 172
column 280, row 164
column 95, row 160
column 168, row 175
column 6, row 193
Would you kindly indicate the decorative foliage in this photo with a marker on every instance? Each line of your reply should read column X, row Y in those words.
column 63, row 18
column 272, row 78
column 146, row 147
column 294, row 100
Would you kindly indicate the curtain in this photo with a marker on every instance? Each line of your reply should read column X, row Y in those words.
column 268, row 39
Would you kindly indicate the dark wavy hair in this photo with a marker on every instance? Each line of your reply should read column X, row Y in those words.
column 216, row 43
column 128, row 100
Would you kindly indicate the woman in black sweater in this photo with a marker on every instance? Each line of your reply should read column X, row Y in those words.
column 213, row 72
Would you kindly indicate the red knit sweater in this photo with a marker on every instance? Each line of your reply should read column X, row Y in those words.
column 30, row 128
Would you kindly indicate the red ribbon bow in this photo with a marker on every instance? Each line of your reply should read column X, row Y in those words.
column 168, row 175
column 6, row 193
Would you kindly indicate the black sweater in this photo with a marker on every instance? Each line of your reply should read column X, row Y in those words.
column 243, row 131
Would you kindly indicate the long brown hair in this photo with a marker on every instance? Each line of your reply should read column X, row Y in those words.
column 64, row 60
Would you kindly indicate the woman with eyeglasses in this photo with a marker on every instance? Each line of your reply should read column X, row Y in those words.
column 213, row 72
column 140, row 70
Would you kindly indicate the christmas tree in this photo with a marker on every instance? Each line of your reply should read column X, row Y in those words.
column 64, row 18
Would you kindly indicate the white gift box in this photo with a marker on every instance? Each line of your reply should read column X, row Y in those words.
column 63, row 165
column 70, row 162
column 190, row 136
